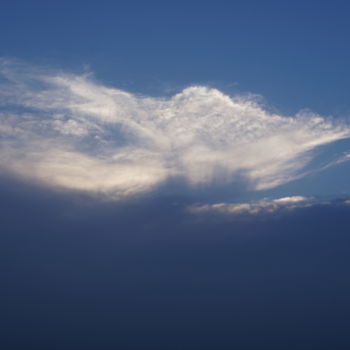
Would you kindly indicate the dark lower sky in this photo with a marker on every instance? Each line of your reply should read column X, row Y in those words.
column 148, row 274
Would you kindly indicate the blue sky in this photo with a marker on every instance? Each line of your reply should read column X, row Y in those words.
column 174, row 175
column 293, row 55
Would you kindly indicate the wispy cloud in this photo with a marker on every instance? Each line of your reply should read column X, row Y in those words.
column 69, row 131
column 254, row 207
column 264, row 206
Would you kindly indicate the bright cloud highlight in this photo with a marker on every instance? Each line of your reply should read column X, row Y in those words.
column 69, row 131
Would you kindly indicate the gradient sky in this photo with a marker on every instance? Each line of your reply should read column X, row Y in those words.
column 293, row 55
column 174, row 175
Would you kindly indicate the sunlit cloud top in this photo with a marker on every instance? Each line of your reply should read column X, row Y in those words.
column 69, row 131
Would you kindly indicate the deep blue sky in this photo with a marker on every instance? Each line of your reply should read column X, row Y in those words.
column 294, row 53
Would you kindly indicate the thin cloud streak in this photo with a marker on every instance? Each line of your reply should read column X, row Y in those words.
column 264, row 206
column 69, row 131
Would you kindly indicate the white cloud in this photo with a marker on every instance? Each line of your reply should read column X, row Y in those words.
column 69, row 131
column 262, row 206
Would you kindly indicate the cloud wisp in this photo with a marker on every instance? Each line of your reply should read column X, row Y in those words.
column 264, row 206
column 69, row 131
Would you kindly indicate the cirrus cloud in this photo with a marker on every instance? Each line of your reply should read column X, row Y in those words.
column 263, row 206
column 69, row 131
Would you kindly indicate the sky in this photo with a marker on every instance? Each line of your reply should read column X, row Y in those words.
column 174, row 175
